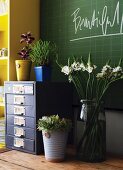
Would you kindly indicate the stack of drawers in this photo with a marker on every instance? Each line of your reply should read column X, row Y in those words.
column 25, row 103
column 20, row 116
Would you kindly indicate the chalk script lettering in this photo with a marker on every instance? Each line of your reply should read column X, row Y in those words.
column 101, row 20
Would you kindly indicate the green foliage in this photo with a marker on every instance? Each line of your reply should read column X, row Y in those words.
column 43, row 52
column 53, row 123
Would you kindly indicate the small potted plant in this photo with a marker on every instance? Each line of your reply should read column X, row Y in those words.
column 42, row 54
column 55, row 132
column 23, row 67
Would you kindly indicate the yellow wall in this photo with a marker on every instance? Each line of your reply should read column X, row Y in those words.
column 24, row 16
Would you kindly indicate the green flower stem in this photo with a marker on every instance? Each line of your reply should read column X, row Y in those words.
column 100, row 89
column 78, row 86
column 92, row 86
column 106, row 87
column 87, row 86
column 82, row 81
column 58, row 62
column 94, row 146
column 97, row 88
column 89, row 140
column 78, row 89
column 89, row 128
column 86, row 132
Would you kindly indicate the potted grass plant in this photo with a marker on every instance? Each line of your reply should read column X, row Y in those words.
column 55, row 132
column 23, row 66
column 42, row 54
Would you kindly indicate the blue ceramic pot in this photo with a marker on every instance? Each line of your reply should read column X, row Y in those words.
column 42, row 73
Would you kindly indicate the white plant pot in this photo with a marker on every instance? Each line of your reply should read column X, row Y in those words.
column 55, row 145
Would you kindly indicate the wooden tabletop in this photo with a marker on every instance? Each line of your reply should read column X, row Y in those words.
column 15, row 160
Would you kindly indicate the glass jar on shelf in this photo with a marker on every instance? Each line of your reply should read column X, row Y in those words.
column 4, row 52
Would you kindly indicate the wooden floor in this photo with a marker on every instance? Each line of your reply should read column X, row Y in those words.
column 15, row 160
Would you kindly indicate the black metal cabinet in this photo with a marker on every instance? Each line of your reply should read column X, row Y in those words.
column 25, row 103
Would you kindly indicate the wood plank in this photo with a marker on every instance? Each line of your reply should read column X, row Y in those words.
column 3, row 150
column 4, row 58
column 10, row 166
column 34, row 162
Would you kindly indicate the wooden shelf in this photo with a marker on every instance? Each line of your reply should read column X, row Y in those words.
column 2, row 104
column 4, row 58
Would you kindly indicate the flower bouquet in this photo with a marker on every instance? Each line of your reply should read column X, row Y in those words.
column 91, row 87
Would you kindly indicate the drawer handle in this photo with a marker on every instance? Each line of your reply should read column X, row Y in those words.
column 21, row 136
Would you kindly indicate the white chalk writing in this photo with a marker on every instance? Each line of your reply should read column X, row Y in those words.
column 99, row 20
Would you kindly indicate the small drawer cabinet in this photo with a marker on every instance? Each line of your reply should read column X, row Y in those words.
column 25, row 103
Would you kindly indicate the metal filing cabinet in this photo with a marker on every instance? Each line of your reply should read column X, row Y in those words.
column 25, row 103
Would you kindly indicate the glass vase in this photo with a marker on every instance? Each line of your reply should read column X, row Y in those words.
column 92, row 144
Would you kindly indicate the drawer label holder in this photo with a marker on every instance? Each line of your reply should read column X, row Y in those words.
column 20, row 121
column 19, row 99
column 22, row 89
column 19, row 143
column 19, row 132
column 19, row 110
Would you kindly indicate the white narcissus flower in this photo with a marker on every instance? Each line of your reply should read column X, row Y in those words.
column 106, row 71
column 100, row 75
column 106, row 68
column 117, row 69
column 66, row 70
column 82, row 66
column 76, row 66
column 90, row 68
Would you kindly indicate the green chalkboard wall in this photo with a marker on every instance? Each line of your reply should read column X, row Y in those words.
column 82, row 26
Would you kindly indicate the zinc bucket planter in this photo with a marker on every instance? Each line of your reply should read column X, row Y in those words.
column 23, row 69
column 55, row 145
column 42, row 73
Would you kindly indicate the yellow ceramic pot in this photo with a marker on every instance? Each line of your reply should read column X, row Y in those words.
column 23, row 69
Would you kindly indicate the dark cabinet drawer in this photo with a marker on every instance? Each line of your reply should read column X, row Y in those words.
column 20, row 143
column 21, row 110
column 20, row 99
column 21, row 121
column 21, row 132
